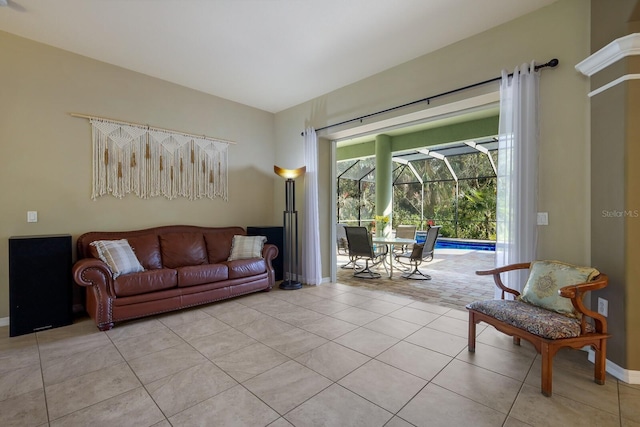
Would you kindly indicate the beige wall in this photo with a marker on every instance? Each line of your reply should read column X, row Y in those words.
column 558, row 31
column 45, row 154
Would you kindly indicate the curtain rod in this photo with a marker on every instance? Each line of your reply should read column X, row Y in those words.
column 553, row 63
column 86, row 116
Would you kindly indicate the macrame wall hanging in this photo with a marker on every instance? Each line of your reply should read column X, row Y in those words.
column 149, row 162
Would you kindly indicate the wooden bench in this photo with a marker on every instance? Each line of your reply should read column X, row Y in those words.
column 547, row 330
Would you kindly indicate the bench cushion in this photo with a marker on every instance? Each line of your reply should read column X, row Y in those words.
column 535, row 320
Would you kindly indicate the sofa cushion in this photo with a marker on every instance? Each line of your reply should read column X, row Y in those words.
column 147, row 250
column 145, row 282
column 219, row 243
column 201, row 274
column 118, row 255
column 246, row 247
column 246, row 267
column 547, row 278
column 182, row 249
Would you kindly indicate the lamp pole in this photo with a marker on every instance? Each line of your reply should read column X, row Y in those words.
column 290, row 227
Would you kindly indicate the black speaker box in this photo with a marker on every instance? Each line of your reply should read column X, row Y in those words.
column 274, row 236
column 40, row 283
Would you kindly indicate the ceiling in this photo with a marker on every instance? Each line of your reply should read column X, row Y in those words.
column 458, row 117
column 268, row 54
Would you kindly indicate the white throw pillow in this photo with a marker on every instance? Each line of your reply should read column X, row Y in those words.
column 244, row 247
column 118, row 255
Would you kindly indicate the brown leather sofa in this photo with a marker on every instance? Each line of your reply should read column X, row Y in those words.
column 183, row 265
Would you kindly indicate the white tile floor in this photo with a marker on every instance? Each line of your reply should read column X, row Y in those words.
column 333, row 355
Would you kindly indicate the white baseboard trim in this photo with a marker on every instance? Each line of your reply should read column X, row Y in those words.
column 326, row 280
column 4, row 321
column 625, row 375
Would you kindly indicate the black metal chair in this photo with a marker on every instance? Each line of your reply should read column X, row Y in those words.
column 341, row 239
column 421, row 252
column 343, row 245
column 361, row 248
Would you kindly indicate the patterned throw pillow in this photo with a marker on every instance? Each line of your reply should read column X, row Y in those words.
column 118, row 255
column 244, row 247
column 545, row 280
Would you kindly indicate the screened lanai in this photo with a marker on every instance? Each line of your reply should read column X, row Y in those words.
column 452, row 185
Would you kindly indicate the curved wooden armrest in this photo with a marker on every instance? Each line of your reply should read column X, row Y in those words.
column 504, row 268
column 576, row 292
column 496, row 276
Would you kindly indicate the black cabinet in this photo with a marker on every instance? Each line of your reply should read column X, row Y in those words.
column 274, row 236
column 40, row 283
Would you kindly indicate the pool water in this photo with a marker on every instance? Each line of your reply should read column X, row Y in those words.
column 469, row 245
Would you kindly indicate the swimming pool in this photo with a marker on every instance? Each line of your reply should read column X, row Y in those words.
column 474, row 245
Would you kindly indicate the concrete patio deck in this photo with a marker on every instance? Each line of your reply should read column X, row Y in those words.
column 453, row 281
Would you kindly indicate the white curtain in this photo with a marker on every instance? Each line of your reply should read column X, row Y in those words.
column 311, row 262
column 517, row 172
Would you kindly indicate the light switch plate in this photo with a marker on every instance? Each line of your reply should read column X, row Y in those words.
column 32, row 216
column 543, row 218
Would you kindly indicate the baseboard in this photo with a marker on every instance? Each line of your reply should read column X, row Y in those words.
column 625, row 375
column 4, row 321
column 326, row 280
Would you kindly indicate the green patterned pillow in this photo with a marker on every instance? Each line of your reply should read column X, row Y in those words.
column 545, row 280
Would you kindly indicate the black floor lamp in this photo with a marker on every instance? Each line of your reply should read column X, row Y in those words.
column 290, row 227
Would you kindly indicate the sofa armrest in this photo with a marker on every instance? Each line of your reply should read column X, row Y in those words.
column 96, row 277
column 269, row 253
column 93, row 272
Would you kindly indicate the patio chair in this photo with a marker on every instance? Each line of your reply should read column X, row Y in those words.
column 361, row 248
column 343, row 246
column 341, row 238
column 421, row 252
column 404, row 232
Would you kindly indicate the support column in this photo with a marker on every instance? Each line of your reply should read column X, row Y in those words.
column 384, row 182
column 614, row 68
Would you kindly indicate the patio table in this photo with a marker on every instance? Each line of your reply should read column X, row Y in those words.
column 390, row 242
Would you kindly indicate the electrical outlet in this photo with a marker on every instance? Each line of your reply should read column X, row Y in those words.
column 603, row 306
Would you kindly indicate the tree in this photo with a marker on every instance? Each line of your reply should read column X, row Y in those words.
column 477, row 211
column 468, row 212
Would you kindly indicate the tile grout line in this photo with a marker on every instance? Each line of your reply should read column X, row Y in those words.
column 44, row 388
